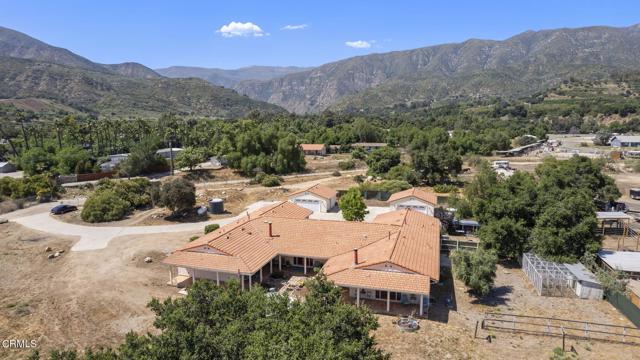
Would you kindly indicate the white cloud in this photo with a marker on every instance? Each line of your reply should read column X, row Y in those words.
column 295, row 27
column 234, row 29
column 359, row 44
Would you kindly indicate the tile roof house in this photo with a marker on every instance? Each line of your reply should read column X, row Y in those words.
column 314, row 149
column 317, row 198
column 395, row 258
column 416, row 199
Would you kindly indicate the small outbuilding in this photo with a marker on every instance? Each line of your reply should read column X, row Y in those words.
column 416, row 199
column 6, row 167
column 584, row 282
column 318, row 198
column 625, row 261
column 314, row 149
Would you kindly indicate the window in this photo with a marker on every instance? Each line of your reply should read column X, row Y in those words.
column 393, row 296
column 299, row 261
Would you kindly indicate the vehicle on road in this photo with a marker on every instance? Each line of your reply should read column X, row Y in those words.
column 63, row 209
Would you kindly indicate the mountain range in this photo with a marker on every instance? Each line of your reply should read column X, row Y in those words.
column 31, row 69
column 517, row 66
column 229, row 78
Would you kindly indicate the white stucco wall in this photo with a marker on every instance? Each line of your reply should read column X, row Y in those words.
column 325, row 204
column 413, row 202
column 371, row 295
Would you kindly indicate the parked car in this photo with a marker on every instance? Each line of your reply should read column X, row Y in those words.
column 63, row 209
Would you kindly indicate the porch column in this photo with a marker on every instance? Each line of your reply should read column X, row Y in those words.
column 388, row 300
column 171, row 275
column 260, row 274
column 279, row 262
column 241, row 280
column 305, row 266
column 250, row 276
column 357, row 296
column 271, row 266
column 421, row 304
column 194, row 275
column 217, row 278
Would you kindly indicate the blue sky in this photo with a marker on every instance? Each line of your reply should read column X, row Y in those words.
column 201, row 33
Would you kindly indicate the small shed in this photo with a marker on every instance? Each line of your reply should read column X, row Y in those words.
column 584, row 282
column 314, row 149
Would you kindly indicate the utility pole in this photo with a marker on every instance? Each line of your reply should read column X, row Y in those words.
column 172, row 140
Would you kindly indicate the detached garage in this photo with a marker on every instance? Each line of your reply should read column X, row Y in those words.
column 317, row 198
column 415, row 199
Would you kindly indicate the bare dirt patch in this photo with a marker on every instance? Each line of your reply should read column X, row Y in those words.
column 80, row 298
column 451, row 334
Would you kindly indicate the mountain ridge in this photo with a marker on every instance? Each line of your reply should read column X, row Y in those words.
column 229, row 77
column 418, row 73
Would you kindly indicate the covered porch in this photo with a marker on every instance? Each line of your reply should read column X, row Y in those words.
column 384, row 301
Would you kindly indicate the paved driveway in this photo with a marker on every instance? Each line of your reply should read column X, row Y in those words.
column 98, row 237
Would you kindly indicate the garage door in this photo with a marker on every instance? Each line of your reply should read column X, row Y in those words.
column 414, row 207
column 313, row 205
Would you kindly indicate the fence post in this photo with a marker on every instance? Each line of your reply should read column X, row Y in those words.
column 475, row 333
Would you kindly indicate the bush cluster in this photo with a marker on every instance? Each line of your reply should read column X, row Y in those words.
column 113, row 200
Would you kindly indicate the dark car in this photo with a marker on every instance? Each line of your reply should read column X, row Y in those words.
column 62, row 209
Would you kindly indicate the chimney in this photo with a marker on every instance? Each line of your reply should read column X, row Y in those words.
column 270, row 228
column 355, row 256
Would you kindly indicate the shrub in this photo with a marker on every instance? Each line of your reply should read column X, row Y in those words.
column 390, row 186
column 178, row 195
column 445, row 188
column 352, row 205
column 105, row 205
column 211, row 227
column 346, row 165
column 477, row 269
column 336, row 173
column 404, row 173
column 358, row 154
column 193, row 238
column 270, row 181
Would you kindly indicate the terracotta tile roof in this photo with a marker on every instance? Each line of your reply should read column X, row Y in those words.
column 320, row 190
column 386, row 280
column 312, row 147
column 414, row 247
column 406, row 240
column 205, row 261
column 323, row 238
column 417, row 193
column 283, row 209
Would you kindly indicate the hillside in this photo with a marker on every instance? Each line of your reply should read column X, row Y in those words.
column 229, row 78
column 104, row 93
column 18, row 45
column 514, row 67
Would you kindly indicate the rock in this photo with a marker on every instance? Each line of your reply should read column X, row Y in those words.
column 51, row 256
column 148, row 259
column 57, row 253
column 47, row 249
column 61, row 251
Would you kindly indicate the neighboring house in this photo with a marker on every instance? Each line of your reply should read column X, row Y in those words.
column 112, row 162
column 369, row 146
column 394, row 259
column 7, row 167
column 625, row 141
column 416, row 199
column 166, row 153
column 317, row 198
column 314, row 149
